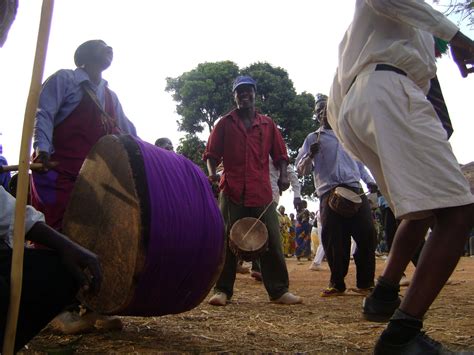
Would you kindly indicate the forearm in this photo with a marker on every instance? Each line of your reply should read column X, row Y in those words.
column 305, row 165
column 45, row 235
column 283, row 166
column 211, row 166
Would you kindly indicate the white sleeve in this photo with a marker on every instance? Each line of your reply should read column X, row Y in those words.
column 417, row 14
column 7, row 216
column 294, row 182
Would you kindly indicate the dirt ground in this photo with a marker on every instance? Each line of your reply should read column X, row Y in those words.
column 252, row 324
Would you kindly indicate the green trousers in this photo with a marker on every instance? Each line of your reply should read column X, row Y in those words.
column 272, row 261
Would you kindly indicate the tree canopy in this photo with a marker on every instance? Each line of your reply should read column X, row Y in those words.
column 192, row 148
column 202, row 95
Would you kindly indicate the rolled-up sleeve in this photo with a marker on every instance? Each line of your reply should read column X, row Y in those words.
column 50, row 101
column 215, row 142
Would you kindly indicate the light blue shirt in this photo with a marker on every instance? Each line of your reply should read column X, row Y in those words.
column 7, row 217
column 332, row 165
column 59, row 97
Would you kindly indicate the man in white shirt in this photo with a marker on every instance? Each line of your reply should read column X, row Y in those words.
column 379, row 110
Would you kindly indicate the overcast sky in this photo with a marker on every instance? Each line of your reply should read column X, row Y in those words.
column 155, row 39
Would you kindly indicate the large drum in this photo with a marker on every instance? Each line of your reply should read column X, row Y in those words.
column 151, row 217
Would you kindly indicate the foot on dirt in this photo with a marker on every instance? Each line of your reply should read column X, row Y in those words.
column 288, row 298
column 69, row 323
column 362, row 291
column 218, row 299
column 376, row 310
column 332, row 292
column 106, row 323
column 421, row 344
column 316, row 267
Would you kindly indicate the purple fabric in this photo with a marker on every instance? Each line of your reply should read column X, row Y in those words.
column 186, row 236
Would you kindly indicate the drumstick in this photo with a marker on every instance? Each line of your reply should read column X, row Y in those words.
column 256, row 221
column 33, row 166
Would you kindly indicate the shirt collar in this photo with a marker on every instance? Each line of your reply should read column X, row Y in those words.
column 80, row 75
column 258, row 117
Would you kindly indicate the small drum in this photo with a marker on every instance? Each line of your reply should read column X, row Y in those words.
column 248, row 238
column 344, row 201
column 150, row 216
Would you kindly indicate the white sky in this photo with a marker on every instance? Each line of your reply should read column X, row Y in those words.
column 155, row 39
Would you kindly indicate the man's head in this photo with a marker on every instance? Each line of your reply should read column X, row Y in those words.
column 320, row 110
column 244, row 89
column 94, row 52
column 164, row 143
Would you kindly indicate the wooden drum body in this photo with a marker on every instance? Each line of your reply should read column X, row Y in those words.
column 151, row 217
column 344, row 201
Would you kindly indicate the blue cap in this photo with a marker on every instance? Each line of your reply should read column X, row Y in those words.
column 243, row 80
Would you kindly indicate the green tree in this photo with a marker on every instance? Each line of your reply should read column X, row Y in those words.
column 202, row 95
column 192, row 148
column 277, row 97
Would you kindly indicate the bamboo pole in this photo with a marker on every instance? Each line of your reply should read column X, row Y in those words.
column 23, row 179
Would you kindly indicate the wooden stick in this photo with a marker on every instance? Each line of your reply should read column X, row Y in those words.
column 33, row 166
column 22, row 190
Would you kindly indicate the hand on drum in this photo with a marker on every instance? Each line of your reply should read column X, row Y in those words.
column 84, row 265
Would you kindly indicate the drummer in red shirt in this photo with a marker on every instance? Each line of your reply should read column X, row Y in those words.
column 243, row 140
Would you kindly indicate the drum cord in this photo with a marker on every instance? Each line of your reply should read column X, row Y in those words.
column 256, row 221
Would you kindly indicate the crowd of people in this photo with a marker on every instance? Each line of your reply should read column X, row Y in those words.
column 378, row 117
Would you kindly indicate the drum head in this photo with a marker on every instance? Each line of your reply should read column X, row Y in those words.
column 104, row 215
column 348, row 194
column 249, row 234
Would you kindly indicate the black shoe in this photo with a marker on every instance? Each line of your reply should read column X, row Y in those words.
column 376, row 310
column 422, row 344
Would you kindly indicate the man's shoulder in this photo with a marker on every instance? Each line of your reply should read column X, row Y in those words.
column 225, row 118
column 265, row 118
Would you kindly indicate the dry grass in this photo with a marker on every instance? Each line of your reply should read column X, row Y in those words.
column 252, row 324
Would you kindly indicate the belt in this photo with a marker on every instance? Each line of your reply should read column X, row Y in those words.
column 382, row 67
column 387, row 67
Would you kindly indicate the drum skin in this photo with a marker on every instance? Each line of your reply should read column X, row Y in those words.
column 112, row 214
column 248, row 238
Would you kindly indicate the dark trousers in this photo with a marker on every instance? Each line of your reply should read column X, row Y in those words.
column 272, row 261
column 46, row 289
column 336, row 237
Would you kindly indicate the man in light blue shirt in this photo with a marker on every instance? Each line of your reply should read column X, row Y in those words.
column 332, row 167
column 76, row 108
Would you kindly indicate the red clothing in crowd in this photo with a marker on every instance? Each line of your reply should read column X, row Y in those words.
column 245, row 152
